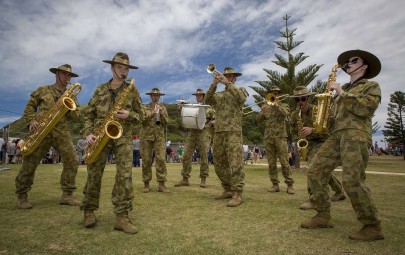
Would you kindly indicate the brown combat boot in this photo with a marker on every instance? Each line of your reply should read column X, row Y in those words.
column 224, row 195
column 236, row 200
column 22, row 201
column 307, row 206
column 368, row 233
column 123, row 223
column 90, row 219
column 320, row 220
column 68, row 199
column 182, row 183
column 162, row 188
column 337, row 197
column 203, row 184
column 290, row 190
column 274, row 188
column 146, row 187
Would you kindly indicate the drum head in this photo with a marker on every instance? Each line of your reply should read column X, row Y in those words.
column 193, row 116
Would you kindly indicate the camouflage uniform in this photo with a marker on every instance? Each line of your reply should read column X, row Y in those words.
column 348, row 144
column 275, row 140
column 200, row 139
column 227, row 143
column 99, row 106
column 153, row 137
column 41, row 100
column 315, row 141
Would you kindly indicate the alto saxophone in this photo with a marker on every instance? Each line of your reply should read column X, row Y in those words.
column 322, row 111
column 110, row 128
column 49, row 119
column 302, row 143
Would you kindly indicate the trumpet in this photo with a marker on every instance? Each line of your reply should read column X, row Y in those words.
column 217, row 75
column 157, row 114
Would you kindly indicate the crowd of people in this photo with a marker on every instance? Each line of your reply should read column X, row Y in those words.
column 116, row 106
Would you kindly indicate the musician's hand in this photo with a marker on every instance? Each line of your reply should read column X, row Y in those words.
column 336, row 87
column 122, row 114
column 34, row 126
column 215, row 82
column 264, row 107
column 224, row 80
column 90, row 139
column 305, row 131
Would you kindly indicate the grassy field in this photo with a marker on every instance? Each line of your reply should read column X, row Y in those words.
column 190, row 221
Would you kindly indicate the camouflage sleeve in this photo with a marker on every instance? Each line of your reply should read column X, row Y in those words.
column 32, row 106
column 89, row 115
column 260, row 118
column 284, row 109
column 164, row 117
column 239, row 94
column 136, row 112
column 363, row 104
column 209, row 97
column 294, row 125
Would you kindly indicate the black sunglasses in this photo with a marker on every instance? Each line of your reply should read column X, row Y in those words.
column 353, row 61
column 303, row 99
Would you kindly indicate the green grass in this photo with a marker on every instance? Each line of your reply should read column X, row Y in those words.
column 190, row 221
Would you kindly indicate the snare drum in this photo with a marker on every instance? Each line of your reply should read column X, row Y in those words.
column 193, row 116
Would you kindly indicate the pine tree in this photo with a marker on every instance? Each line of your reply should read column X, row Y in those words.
column 290, row 79
column 395, row 130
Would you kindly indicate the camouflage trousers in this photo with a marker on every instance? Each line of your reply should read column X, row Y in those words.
column 123, row 191
column 63, row 144
column 350, row 150
column 277, row 147
column 196, row 140
column 146, row 149
column 334, row 182
column 228, row 158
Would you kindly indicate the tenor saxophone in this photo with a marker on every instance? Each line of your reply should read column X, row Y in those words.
column 49, row 119
column 110, row 128
column 322, row 111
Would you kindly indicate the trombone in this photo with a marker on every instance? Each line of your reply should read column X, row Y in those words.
column 270, row 99
column 250, row 107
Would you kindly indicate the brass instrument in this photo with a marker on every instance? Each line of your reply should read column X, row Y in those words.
column 110, row 128
column 250, row 106
column 217, row 75
column 49, row 119
column 272, row 99
column 321, row 112
column 302, row 143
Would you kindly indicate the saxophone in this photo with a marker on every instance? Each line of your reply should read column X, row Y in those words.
column 322, row 111
column 302, row 143
column 49, row 119
column 110, row 128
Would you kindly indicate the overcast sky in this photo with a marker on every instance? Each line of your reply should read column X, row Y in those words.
column 172, row 41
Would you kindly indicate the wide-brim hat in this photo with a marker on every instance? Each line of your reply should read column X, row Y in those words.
column 155, row 91
column 301, row 91
column 230, row 70
column 275, row 89
column 199, row 92
column 374, row 64
column 65, row 68
column 122, row 59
